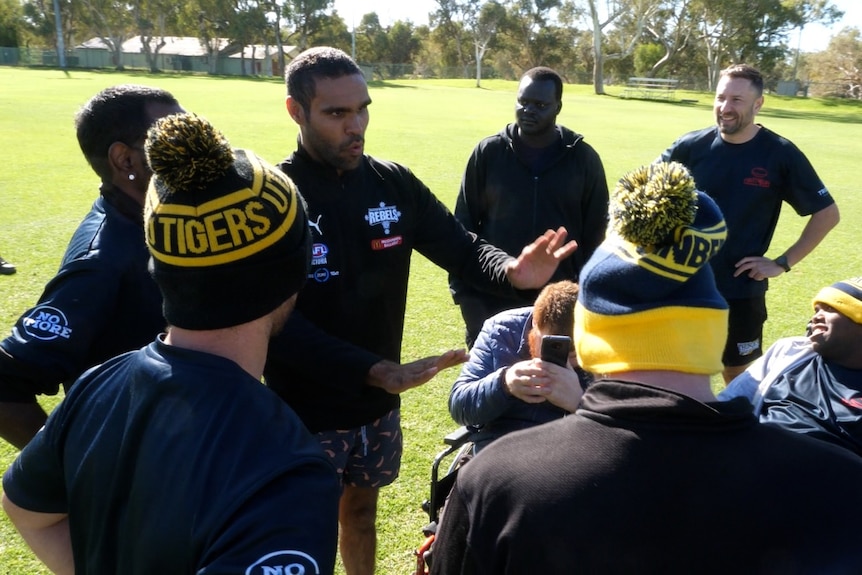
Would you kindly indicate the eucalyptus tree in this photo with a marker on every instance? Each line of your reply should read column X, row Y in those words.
column 11, row 23
column 673, row 28
column 603, row 17
column 154, row 20
column 838, row 68
column 750, row 31
column 531, row 34
column 810, row 12
column 211, row 21
column 484, row 22
column 305, row 18
column 450, row 32
column 113, row 21
column 372, row 43
column 249, row 26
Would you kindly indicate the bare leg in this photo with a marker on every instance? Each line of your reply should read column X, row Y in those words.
column 357, row 514
column 19, row 422
column 731, row 371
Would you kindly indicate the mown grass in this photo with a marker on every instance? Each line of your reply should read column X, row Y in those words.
column 431, row 126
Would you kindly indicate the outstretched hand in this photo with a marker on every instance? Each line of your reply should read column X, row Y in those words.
column 395, row 378
column 539, row 260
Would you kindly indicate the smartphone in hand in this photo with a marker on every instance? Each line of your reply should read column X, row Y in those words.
column 556, row 348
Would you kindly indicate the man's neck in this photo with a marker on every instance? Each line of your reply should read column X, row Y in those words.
column 693, row 385
column 741, row 137
column 245, row 344
column 853, row 363
column 537, row 141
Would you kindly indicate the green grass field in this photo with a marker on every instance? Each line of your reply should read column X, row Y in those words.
column 431, row 126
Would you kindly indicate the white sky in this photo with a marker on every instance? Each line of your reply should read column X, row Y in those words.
column 814, row 38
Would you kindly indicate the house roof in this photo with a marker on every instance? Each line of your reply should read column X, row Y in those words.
column 260, row 50
column 185, row 46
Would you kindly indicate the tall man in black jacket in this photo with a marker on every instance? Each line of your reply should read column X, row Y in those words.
column 367, row 216
column 533, row 175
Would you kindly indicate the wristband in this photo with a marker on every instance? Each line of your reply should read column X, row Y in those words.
column 782, row 261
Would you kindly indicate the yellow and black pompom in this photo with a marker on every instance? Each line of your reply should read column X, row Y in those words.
column 187, row 153
column 651, row 202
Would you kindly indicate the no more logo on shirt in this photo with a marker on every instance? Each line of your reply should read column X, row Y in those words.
column 284, row 563
column 46, row 323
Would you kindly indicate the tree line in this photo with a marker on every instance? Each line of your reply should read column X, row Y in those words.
column 588, row 41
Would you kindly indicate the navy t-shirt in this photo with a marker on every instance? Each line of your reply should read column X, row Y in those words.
column 101, row 303
column 749, row 182
column 820, row 399
column 175, row 461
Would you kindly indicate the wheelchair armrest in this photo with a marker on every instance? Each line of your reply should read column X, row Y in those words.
column 460, row 436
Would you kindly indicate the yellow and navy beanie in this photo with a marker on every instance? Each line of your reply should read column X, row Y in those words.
column 647, row 297
column 227, row 232
column 845, row 296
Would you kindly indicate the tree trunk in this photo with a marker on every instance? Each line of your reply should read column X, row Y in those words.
column 598, row 55
column 480, row 53
column 598, row 64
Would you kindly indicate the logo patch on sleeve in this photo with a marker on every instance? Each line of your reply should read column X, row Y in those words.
column 284, row 563
column 46, row 323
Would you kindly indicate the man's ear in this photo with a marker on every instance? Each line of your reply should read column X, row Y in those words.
column 758, row 104
column 120, row 158
column 294, row 108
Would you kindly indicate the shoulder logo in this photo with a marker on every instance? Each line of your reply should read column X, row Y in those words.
column 284, row 563
column 383, row 215
column 46, row 323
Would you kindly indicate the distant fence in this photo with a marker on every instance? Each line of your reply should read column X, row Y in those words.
column 390, row 71
column 87, row 59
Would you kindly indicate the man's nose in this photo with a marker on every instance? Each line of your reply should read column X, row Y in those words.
column 354, row 125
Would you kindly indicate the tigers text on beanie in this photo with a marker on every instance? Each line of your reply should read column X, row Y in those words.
column 227, row 232
column 648, row 299
column 845, row 296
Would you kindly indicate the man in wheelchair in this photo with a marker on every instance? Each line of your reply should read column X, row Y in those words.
column 506, row 385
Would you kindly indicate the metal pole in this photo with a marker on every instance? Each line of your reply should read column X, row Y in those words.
column 61, row 49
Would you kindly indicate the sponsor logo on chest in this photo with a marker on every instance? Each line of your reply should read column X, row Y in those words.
column 383, row 216
column 759, row 178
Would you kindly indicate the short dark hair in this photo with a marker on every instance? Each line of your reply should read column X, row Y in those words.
column 319, row 62
column 116, row 114
column 543, row 73
column 745, row 72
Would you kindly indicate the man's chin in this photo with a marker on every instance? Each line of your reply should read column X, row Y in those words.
column 351, row 163
column 816, row 340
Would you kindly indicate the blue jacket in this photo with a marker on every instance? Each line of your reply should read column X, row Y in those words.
column 478, row 398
